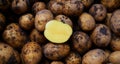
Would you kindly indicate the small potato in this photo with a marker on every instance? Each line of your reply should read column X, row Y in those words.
column 107, row 53
column 81, row 42
column 115, row 43
column 115, row 22
column 95, row 56
column 101, row 35
column 56, row 62
column 108, row 18
column 2, row 21
column 114, row 57
column 73, row 58
column 31, row 53
column 41, row 18
column 87, row 3
column 56, row 51
column 98, row 11
column 38, row 6
column 64, row 19
column 86, row 22
column 19, row 6
column 26, row 21
column 17, row 56
column 5, row 4
column 35, row 36
column 14, row 36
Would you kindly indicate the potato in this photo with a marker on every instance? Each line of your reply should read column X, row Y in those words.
column 31, row 53
column 107, row 53
column 115, row 43
column 26, row 21
column 114, row 22
column 87, row 3
column 41, row 18
column 98, row 11
column 56, row 62
column 17, row 56
column 14, row 36
column 2, row 21
column 55, row 51
column 7, row 55
column 111, row 4
column 64, row 19
column 114, row 57
column 96, row 56
column 73, row 58
column 35, row 36
column 5, row 4
column 19, row 6
column 86, row 22
column 38, row 6
column 108, row 18
column 101, row 35
column 81, row 42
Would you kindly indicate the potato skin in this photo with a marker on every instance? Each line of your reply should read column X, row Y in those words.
column 2, row 21
column 108, row 18
column 114, row 22
column 98, row 11
column 26, row 21
column 35, row 36
column 38, row 6
column 86, row 22
column 101, row 35
column 87, row 3
column 114, row 57
column 73, row 58
column 56, row 51
column 31, row 53
column 64, row 19
column 81, row 42
column 96, row 56
column 41, row 18
column 56, row 62
column 14, row 36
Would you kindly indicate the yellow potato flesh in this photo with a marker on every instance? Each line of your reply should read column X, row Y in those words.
column 57, row 32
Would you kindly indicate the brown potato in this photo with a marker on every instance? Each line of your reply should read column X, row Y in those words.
column 19, row 6
column 35, row 36
column 64, row 19
column 87, row 3
column 31, row 53
column 5, row 4
column 17, row 56
column 26, row 21
column 114, row 22
column 41, row 18
column 14, row 36
column 81, row 42
column 101, row 35
column 107, row 53
column 2, row 21
column 95, row 56
column 56, row 62
column 38, row 6
column 73, row 58
column 108, row 18
column 86, row 22
column 98, row 11
column 114, row 57
column 56, row 51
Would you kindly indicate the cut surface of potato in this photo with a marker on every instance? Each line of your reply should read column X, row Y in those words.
column 57, row 32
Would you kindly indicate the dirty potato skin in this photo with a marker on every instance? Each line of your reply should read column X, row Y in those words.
column 64, row 19
column 26, row 21
column 114, row 57
column 107, row 53
column 38, row 6
column 108, row 18
column 73, row 58
column 14, row 36
column 98, row 11
column 81, row 42
column 2, row 21
column 115, row 23
column 56, row 51
column 36, row 36
column 17, row 56
column 95, row 56
column 31, row 53
column 101, row 35
column 19, row 6
column 87, row 3
column 41, row 18
column 7, row 55
column 86, row 22
column 56, row 62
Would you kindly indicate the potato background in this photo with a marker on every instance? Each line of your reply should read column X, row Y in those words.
column 99, row 46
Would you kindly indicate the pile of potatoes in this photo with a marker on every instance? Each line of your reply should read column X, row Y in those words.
column 95, row 38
